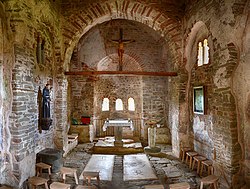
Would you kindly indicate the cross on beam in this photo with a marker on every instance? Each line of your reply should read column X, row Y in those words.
column 121, row 43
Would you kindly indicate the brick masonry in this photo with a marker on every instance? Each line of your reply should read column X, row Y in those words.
column 149, row 93
column 165, row 40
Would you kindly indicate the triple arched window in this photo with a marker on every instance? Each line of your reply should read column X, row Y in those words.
column 118, row 104
column 203, row 53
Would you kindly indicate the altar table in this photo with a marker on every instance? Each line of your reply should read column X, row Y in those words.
column 118, row 124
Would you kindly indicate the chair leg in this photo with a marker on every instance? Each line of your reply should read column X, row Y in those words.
column 201, row 185
column 76, row 179
column 46, row 185
column 64, row 178
column 183, row 156
column 186, row 159
column 193, row 165
column 198, row 166
column 89, row 180
column 98, row 180
column 49, row 171
column 190, row 163
column 215, row 185
column 202, row 167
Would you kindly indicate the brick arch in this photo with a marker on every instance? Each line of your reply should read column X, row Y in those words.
column 198, row 32
column 81, row 21
column 110, row 63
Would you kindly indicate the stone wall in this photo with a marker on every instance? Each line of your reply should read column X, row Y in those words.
column 216, row 133
column 82, row 97
column 96, row 51
column 25, row 78
column 6, row 62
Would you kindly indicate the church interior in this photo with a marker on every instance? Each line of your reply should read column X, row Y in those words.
column 99, row 90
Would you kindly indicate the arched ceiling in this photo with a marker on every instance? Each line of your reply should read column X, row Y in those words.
column 164, row 16
column 146, row 49
column 174, row 9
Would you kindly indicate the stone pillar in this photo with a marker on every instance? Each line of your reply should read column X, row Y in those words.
column 151, row 136
column 118, row 136
column 151, row 148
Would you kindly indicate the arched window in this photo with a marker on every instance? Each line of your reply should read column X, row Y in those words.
column 206, row 53
column 200, row 54
column 118, row 104
column 203, row 53
column 105, row 104
column 131, row 104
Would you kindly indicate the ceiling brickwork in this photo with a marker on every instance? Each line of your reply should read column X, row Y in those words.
column 163, row 16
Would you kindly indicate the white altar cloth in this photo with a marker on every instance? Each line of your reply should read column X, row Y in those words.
column 118, row 123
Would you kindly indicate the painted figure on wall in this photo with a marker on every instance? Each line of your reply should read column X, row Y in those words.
column 46, row 101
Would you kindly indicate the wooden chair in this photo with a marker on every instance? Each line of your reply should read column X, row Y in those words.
column 59, row 185
column 190, row 155
column 154, row 186
column 198, row 159
column 40, row 166
column 91, row 174
column 68, row 171
column 37, row 181
column 183, row 152
column 207, row 164
column 211, row 180
column 182, row 185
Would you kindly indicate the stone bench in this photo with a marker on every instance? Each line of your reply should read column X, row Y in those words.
column 51, row 156
column 72, row 141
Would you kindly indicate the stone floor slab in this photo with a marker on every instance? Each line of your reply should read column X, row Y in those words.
column 137, row 167
column 101, row 163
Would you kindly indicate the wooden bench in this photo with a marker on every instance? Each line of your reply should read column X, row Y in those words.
column 183, row 152
column 207, row 164
column 210, row 180
column 88, row 175
column 40, row 166
column 68, row 171
column 198, row 159
column 190, row 155
column 38, row 181
column 72, row 141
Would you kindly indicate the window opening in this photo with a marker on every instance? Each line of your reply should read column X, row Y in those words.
column 131, row 104
column 206, row 52
column 105, row 104
column 118, row 104
column 203, row 53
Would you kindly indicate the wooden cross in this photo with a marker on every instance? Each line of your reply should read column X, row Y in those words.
column 121, row 43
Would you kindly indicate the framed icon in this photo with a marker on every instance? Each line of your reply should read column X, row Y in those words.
column 199, row 100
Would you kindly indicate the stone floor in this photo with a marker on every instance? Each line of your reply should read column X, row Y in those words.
column 168, row 169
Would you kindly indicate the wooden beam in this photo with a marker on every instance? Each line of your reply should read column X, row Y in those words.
column 88, row 73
